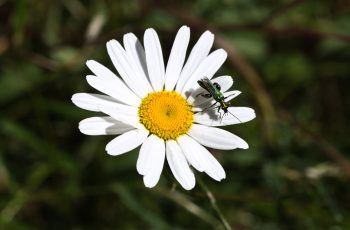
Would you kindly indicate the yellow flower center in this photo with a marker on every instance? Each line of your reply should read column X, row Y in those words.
column 166, row 114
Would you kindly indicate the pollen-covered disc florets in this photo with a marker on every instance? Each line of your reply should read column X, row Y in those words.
column 166, row 114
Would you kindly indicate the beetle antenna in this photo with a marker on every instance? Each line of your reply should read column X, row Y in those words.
column 235, row 116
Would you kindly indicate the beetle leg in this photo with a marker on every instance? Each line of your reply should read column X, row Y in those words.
column 209, row 107
column 206, row 95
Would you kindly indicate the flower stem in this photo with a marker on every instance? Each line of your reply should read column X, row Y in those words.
column 213, row 203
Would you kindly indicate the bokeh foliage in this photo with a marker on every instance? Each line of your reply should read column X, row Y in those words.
column 294, row 176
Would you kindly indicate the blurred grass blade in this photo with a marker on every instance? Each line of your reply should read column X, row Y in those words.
column 147, row 215
column 187, row 204
column 39, row 145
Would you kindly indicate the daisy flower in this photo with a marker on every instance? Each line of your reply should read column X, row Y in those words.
column 158, row 107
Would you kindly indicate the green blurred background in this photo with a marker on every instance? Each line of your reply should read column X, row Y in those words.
column 290, row 58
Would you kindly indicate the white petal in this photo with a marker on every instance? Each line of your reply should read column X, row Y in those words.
column 231, row 94
column 224, row 81
column 114, row 86
column 130, row 75
column 177, row 57
column 109, row 89
column 136, row 54
column 199, row 52
column 212, row 167
column 191, row 153
column 126, row 142
column 92, row 102
column 103, row 126
column 203, row 103
column 207, row 68
column 151, row 160
column 235, row 115
column 216, row 138
column 154, row 58
column 124, row 114
column 200, row 157
column 144, row 161
column 179, row 166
